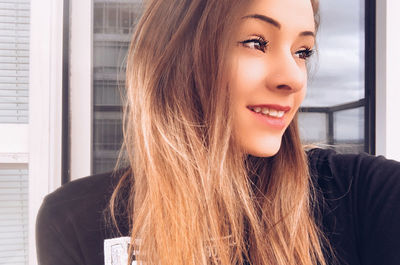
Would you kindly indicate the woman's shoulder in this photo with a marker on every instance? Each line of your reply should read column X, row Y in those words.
column 76, row 192
column 358, row 198
column 330, row 162
column 71, row 223
column 82, row 195
column 362, row 172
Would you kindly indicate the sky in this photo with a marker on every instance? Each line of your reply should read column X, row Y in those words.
column 337, row 69
column 337, row 72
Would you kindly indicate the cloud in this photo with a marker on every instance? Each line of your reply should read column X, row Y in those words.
column 337, row 70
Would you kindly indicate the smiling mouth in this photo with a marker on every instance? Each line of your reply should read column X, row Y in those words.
column 274, row 111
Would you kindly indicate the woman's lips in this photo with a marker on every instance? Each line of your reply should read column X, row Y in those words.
column 271, row 106
column 270, row 115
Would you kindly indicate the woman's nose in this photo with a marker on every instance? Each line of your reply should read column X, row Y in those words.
column 286, row 73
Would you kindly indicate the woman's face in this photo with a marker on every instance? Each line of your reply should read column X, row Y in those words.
column 269, row 75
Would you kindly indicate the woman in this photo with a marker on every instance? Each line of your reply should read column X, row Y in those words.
column 216, row 173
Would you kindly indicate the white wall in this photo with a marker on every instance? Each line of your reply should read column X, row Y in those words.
column 81, row 87
column 388, row 79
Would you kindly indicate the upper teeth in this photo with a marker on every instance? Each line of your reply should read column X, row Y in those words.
column 270, row 112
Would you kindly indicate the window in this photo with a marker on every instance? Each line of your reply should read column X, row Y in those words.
column 333, row 113
column 14, row 94
column 113, row 23
column 335, row 108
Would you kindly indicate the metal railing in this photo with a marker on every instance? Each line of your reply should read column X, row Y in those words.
column 330, row 112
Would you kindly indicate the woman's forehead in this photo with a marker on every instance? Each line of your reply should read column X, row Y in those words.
column 284, row 13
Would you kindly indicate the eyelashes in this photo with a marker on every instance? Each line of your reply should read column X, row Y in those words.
column 305, row 53
column 255, row 43
column 259, row 43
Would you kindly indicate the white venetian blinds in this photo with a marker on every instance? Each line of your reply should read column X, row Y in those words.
column 14, row 60
column 14, row 217
column 14, row 83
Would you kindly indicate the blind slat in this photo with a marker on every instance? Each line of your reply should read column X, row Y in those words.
column 19, row 114
column 13, row 184
column 12, row 86
column 14, row 39
column 14, row 205
column 14, row 52
column 14, row 93
column 21, row 60
column 12, row 5
column 17, row 19
column 13, row 64
column 14, row 79
column 13, row 221
column 14, row 106
column 13, row 13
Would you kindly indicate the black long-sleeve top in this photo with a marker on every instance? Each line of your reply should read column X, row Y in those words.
column 359, row 209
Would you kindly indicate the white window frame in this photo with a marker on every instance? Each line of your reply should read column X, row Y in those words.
column 81, row 77
column 387, row 79
column 45, row 103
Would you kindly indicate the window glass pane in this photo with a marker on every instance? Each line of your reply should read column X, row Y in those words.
column 336, row 80
column 98, row 18
column 319, row 123
column 113, row 23
column 349, row 129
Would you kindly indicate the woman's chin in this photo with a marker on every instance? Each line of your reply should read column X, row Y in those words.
column 263, row 149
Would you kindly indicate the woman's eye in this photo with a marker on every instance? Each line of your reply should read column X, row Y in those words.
column 305, row 53
column 256, row 43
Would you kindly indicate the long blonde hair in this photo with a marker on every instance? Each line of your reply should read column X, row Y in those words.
column 191, row 195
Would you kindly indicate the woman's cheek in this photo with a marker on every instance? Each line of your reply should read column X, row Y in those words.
column 251, row 71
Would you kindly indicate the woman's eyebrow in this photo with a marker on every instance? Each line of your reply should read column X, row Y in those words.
column 265, row 19
column 276, row 23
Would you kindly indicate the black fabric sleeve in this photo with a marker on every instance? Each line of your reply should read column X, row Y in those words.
column 56, row 241
column 379, row 211
column 362, row 206
column 71, row 225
